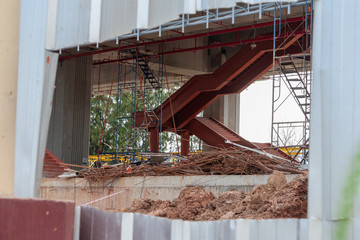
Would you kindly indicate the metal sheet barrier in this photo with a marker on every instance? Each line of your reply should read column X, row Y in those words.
column 98, row 224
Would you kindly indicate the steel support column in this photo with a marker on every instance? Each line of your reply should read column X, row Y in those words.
column 154, row 139
column 185, row 143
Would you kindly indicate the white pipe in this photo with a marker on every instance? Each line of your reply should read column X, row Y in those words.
column 257, row 151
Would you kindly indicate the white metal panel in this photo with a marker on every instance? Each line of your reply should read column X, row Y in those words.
column 77, row 22
column 254, row 230
column 161, row 11
column 242, row 229
column 98, row 224
column 186, row 234
column 95, row 20
column 127, row 226
column 36, row 79
column 203, row 230
column 70, row 20
column 176, row 229
column 356, row 228
column 335, row 128
column 76, row 235
column 143, row 12
column 303, row 229
column 117, row 18
column 266, row 229
column 210, row 4
column 162, row 229
column 190, row 6
column 286, row 229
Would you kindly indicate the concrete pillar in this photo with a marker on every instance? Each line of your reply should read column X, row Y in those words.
column 69, row 131
column 232, row 112
column 216, row 110
column 154, row 140
column 9, row 51
column 185, row 143
column 226, row 110
column 335, row 121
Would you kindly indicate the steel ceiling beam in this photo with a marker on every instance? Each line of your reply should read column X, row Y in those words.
column 209, row 17
column 192, row 36
column 253, row 40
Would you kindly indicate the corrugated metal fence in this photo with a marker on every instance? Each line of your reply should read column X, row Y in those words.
column 97, row 224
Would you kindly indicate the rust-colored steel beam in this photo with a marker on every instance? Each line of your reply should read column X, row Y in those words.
column 221, row 77
column 244, row 79
column 210, row 82
column 185, row 143
column 215, row 133
column 235, row 43
column 154, row 140
column 205, row 34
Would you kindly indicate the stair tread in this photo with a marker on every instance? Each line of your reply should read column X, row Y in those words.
column 222, row 130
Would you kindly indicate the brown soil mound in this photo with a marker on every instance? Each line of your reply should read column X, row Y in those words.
column 276, row 199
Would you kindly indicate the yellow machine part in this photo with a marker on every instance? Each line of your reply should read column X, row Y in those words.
column 292, row 151
column 121, row 158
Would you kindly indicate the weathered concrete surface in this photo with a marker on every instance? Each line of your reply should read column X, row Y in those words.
column 81, row 191
column 68, row 136
column 9, row 52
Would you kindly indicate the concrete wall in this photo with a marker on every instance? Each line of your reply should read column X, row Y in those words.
column 188, row 60
column 9, row 50
column 69, row 128
column 162, row 187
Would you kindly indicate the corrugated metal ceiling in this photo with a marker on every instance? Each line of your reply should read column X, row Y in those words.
column 73, row 23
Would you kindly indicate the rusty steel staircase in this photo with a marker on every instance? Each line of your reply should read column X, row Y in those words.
column 214, row 133
column 149, row 74
column 242, row 69
column 295, row 73
column 297, row 84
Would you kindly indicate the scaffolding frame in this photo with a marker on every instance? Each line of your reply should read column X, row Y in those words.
column 292, row 72
column 131, row 97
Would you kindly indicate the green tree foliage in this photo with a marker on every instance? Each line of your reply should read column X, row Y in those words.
column 97, row 116
column 128, row 138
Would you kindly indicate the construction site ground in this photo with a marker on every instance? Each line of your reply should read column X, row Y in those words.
column 276, row 199
column 215, row 185
column 220, row 162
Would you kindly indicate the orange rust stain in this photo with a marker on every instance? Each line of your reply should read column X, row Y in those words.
column 47, row 59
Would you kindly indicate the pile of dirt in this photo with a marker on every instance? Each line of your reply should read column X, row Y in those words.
column 276, row 199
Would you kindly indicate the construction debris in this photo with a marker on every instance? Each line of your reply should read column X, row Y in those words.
column 276, row 199
column 221, row 162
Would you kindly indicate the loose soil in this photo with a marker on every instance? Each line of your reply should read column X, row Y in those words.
column 276, row 199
